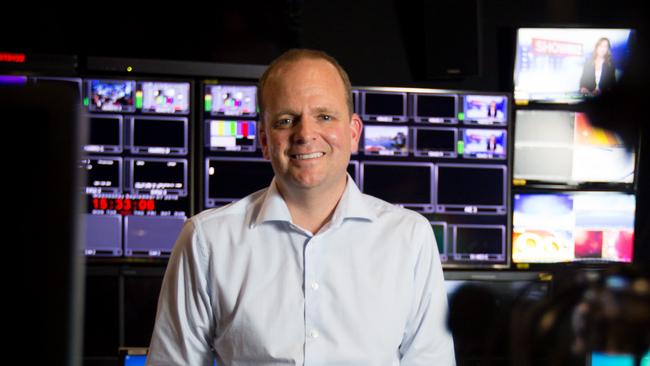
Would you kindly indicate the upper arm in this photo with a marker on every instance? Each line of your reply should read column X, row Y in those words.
column 184, row 320
column 427, row 340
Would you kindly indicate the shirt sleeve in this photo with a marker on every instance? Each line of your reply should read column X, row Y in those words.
column 427, row 341
column 184, row 321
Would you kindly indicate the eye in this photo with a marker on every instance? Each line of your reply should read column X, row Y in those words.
column 283, row 122
column 326, row 117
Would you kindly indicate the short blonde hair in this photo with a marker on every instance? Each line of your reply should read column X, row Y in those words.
column 298, row 54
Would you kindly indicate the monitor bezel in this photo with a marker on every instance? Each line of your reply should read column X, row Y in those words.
column 89, row 90
column 140, row 85
column 434, row 119
column 158, row 150
column 463, row 257
column 237, row 148
column 107, row 149
column 472, row 209
column 388, row 153
column 147, row 192
column 403, row 117
column 428, row 207
column 210, row 202
column 435, row 154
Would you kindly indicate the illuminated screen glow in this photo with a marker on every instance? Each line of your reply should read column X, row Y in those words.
column 575, row 226
column 165, row 97
column 563, row 147
column 554, row 65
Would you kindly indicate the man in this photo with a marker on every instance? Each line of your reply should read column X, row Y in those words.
column 308, row 271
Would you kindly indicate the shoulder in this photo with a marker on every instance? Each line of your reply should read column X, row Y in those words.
column 396, row 216
column 239, row 211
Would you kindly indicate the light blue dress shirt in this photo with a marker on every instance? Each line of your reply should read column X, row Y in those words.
column 247, row 286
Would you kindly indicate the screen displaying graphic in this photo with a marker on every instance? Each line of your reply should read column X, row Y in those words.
column 111, row 95
column 565, row 65
column 573, row 226
column 385, row 140
column 231, row 135
column 485, row 109
column 164, row 97
column 484, row 144
column 231, row 100
column 563, row 147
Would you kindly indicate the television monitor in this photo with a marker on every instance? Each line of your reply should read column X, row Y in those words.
column 573, row 227
column 158, row 177
column 163, row 97
column 435, row 108
column 563, row 147
column 231, row 135
column 485, row 109
column 231, row 100
column 383, row 106
column 403, row 184
column 355, row 101
column 440, row 232
column 484, row 143
column 159, row 135
column 111, row 95
column 230, row 179
column 105, row 134
column 102, row 235
column 556, row 65
column 471, row 189
column 103, row 174
column 479, row 243
column 151, row 236
column 386, row 140
column 439, row 142
column 353, row 170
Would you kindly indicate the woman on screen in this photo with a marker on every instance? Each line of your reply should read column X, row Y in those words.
column 598, row 73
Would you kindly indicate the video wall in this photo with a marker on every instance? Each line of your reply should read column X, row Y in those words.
column 137, row 162
column 574, row 182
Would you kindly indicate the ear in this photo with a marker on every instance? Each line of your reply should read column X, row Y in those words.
column 356, row 125
column 263, row 140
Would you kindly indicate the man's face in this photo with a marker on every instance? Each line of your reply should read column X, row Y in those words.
column 307, row 132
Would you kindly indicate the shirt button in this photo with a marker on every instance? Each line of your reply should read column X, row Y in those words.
column 313, row 334
column 314, row 285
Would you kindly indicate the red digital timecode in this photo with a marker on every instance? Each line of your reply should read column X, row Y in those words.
column 124, row 204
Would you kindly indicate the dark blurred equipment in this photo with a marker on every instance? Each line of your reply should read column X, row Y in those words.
column 480, row 309
column 593, row 311
column 42, row 128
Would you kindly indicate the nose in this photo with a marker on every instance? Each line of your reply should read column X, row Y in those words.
column 305, row 130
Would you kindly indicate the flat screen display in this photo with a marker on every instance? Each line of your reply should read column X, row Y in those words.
column 573, row 227
column 565, row 65
column 564, row 147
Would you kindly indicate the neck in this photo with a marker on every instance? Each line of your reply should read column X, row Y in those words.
column 311, row 208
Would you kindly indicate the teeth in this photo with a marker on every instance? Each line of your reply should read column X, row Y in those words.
column 309, row 156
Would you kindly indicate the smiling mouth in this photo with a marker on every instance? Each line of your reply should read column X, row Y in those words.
column 314, row 155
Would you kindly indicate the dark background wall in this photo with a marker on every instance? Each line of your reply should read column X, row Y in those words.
column 380, row 42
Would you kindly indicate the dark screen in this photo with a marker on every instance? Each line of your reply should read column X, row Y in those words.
column 158, row 132
column 439, row 232
column 479, row 240
column 384, row 104
column 435, row 140
column 471, row 186
column 146, row 171
column 104, row 131
column 440, row 106
column 400, row 184
column 234, row 179
column 140, row 305
column 103, row 170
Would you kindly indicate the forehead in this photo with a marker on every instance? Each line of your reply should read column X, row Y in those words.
column 302, row 77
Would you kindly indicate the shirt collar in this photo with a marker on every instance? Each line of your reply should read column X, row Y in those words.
column 352, row 205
